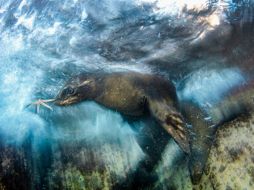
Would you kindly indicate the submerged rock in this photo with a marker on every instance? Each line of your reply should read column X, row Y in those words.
column 230, row 164
column 76, row 165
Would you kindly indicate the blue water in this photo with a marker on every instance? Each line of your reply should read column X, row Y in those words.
column 43, row 43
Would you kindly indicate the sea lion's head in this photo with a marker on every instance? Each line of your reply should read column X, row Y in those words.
column 77, row 89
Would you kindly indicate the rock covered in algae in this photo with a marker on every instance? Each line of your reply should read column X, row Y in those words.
column 15, row 167
column 80, row 168
column 230, row 165
column 78, row 165
column 71, row 177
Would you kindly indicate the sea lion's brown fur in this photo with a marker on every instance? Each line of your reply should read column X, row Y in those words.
column 132, row 94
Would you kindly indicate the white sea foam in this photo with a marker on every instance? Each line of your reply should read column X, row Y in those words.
column 209, row 86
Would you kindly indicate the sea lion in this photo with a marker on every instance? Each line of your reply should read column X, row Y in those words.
column 131, row 94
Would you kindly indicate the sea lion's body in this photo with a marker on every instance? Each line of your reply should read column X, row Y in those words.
column 131, row 94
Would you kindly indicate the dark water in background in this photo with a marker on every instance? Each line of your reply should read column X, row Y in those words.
column 205, row 47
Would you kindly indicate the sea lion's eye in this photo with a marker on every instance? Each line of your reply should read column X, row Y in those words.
column 68, row 91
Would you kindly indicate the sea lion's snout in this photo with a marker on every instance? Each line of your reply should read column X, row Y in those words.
column 75, row 91
column 66, row 102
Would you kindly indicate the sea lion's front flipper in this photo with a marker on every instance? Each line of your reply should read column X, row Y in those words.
column 172, row 121
column 202, row 135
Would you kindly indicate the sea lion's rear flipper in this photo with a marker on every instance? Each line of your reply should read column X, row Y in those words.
column 172, row 121
column 202, row 135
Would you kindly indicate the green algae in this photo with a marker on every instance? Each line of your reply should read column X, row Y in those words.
column 72, row 178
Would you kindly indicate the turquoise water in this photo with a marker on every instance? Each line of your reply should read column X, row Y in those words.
column 43, row 43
